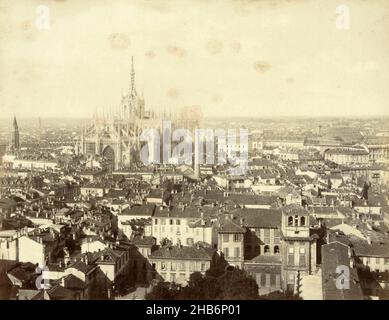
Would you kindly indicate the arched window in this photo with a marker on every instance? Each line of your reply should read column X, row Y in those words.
column 302, row 221
column 267, row 249
column 296, row 221
column 276, row 249
column 290, row 221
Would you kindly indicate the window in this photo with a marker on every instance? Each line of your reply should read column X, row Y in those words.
column 192, row 266
column 163, row 221
column 225, row 251
column 267, row 249
column 291, row 259
column 173, row 277
column 173, row 266
column 276, row 249
column 272, row 280
column 189, row 241
column 171, row 221
column 263, row 279
column 163, row 266
column 237, row 252
column 302, row 250
column 155, row 221
column 202, row 266
column 291, row 250
column 236, row 237
column 290, row 221
column 302, row 221
column 226, row 237
column 267, row 280
column 182, row 266
column 276, row 236
column 302, row 260
column 386, row 260
column 296, row 221
column 178, row 222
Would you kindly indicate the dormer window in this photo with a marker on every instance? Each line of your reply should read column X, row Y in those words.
column 290, row 221
column 302, row 221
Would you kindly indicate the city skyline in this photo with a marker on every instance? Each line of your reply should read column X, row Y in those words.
column 206, row 151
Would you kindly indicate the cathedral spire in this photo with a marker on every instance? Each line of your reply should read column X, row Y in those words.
column 15, row 135
column 133, row 91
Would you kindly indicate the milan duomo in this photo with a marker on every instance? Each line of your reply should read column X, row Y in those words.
column 115, row 135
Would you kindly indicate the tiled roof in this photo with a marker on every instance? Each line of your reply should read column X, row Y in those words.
column 139, row 210
column 183, row 212
column 259, row 218
column 364, row 249
column 251, row 199
column 347, row 151
column 184, row 253
column 82, row 266
column 55, row 293
column 72, row 282
column 226, row 225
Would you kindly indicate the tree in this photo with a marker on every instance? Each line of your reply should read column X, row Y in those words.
column 138, row 225
column 235, row 284
column 165, row 242
column 164, row 291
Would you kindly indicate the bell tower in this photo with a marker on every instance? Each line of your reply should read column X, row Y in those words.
column 298, row 247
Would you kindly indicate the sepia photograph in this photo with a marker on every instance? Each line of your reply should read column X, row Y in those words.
column 221, row 151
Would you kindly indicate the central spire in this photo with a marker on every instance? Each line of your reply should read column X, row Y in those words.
column 133, row 91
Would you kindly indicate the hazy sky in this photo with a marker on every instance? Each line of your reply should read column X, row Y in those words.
column 232, row 58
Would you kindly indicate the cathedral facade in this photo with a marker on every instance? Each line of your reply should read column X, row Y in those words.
column 115, row 136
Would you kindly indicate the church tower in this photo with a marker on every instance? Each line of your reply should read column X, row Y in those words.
column 15, row 136
column 298, row 247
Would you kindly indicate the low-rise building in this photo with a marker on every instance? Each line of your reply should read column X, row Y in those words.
column 177, row 263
